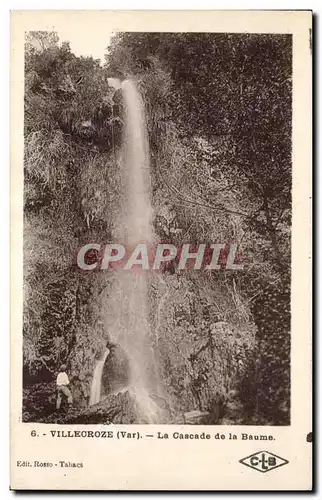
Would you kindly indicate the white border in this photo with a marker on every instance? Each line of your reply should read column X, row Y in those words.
column 4, row 198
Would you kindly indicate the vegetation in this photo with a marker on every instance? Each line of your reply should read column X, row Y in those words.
column 219, row 114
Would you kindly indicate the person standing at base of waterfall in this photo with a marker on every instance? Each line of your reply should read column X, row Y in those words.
column 62, row 383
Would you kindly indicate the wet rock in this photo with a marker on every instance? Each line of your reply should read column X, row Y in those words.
column 116, row 371
column 117, row 409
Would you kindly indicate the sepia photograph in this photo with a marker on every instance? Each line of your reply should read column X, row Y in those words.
column 157, row 223
column 161, row 250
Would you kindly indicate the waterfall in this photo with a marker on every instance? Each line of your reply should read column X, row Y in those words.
column 96, row 382
column 137, row 202
column 135, row 336
column 127, row 307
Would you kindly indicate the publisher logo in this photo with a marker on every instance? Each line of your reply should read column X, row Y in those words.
column 263, row 461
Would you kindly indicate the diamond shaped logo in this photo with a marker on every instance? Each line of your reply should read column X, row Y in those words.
column 263, row 461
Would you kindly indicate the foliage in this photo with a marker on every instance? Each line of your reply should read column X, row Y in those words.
column 220, row 144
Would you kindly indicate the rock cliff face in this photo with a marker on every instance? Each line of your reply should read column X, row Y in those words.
column 202, row 346
column 206, row 329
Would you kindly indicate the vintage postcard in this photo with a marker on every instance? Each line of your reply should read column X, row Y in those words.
column 161, row 250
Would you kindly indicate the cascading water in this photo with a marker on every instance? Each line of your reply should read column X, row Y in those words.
column 127, row 309
column 97, row 378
